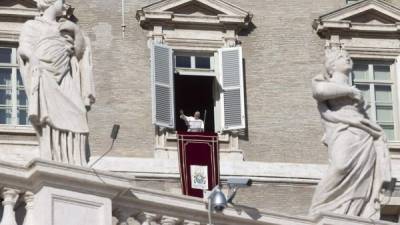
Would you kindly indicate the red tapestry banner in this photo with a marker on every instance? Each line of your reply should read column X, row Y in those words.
column 199, row 162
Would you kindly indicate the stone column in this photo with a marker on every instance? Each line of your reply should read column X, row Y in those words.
column 10, row 197
column 188, row 222
column 166, row 220
column 29, row 217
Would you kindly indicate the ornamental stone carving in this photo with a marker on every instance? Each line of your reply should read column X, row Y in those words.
column 55, row 63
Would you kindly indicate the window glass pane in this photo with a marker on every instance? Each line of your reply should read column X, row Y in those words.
column 22, row 100
column 5, row 97
column 381, row 72
column 360, row 72
column 365, row 92
column 5, row 115
column 389, row 131
column 383, row 94
column 5, row 76
column 22, row 116
column 5, row 55
column 183, row 61
column 384, row 113
column 203, row 62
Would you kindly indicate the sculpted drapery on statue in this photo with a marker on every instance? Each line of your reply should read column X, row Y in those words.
column 55, row 63
column 359, row 160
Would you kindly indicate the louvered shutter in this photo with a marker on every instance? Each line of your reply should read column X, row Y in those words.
column 162, row 86
column 231, row 72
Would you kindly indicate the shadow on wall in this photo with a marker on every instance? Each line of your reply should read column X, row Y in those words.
column 249, row 29
column 20, row 212
column 244, row 134
column 253, row 213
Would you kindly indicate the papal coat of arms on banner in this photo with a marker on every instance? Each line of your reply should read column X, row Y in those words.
column 199, row 177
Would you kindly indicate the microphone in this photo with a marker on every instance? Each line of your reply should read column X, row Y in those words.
column 114, row 134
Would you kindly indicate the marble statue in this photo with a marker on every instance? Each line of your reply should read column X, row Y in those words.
column 359, row 160
column 56, row 68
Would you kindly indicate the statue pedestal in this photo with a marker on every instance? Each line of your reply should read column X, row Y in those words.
column 53, row 206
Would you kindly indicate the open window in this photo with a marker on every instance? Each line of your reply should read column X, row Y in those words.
column 200, row 68
column 191, row 82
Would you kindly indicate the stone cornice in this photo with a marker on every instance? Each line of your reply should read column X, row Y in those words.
column 307, row 174
column 219, row 5
column 339, row 20
column 9, row 35
column 362, row 6
column 18, row 12
column 326, row 28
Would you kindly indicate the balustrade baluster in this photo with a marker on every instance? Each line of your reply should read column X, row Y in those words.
column 29, row 218
column 188, row 222
column 166, row 220
column 10, row 197
column 126, row 216
column 147, row 218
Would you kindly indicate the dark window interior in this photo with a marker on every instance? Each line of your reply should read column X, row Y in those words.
column 194, row 93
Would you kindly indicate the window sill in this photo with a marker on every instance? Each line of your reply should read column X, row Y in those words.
column 17, row 129
column 195, row 72
column 222, row 137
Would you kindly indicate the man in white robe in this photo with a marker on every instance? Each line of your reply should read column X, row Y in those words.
column 194, row 123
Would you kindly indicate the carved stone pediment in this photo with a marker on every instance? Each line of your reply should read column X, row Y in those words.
column 18, row 3
column 194, row 12
column 364, row 17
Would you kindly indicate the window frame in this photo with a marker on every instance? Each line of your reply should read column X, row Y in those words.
column 372, row 83
column 9, row 38
column 219, row 90
column 14, row 86
column 193, row 71
column 213, row 72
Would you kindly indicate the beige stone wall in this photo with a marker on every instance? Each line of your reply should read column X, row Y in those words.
column 122, row 77
column 282, row 53
column 261, row 197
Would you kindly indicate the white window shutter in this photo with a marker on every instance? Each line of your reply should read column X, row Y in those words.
column 231, row 77
column 162, row 86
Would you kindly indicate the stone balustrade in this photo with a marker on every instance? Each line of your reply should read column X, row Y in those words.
column 11, row 198
column 48, row 193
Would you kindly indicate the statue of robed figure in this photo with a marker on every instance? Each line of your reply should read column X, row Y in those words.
column 359, row 161
column 56, row 68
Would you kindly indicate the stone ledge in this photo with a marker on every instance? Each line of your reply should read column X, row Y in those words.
column 123, row 193
column 258, row 171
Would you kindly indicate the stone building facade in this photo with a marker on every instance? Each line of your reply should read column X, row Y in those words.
column 282, row 45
